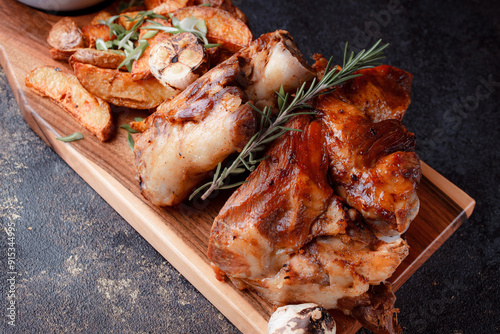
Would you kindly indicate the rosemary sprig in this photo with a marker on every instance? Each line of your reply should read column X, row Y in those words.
column 271, row 128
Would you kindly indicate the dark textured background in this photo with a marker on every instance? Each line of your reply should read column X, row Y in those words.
column 82, row 268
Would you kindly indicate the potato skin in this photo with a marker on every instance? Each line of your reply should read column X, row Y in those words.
column 100, row 16
column 103, row 59
column 165, row 6
column 60, row 55
column 92, row 32
column 63, row 88
column 65, row 38
column 222, row 27
column 119, row 89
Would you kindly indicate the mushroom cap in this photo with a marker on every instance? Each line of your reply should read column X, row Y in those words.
column 306, row 318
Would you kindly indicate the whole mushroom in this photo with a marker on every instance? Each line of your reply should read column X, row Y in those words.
column 301, row 319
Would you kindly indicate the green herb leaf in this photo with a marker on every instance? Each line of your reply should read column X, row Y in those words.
column 150, row 34
column 128, row 128
column 72, row 137
column 133, row 55
column 188, row 24
column 208, row 46
column 101, row 45
column 201, row 25
column 138, row 119
column 118, row 52
column 128, row 40
column 130, row 141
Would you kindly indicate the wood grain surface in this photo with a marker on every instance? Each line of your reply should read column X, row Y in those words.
column 181, row 234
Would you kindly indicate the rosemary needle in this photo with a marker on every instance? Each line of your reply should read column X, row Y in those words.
column 271, row 128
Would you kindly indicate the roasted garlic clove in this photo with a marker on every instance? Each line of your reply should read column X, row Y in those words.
column 301, row 319
column 178, row 61
column 66, row 36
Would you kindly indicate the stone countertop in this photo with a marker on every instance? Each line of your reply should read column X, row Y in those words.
column 82, row 268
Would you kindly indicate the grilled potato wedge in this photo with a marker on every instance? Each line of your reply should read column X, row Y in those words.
column 92, row 32
column 222, row 27
column 63, row 88
column 119, row 89
column 226, row 5
column 127, row 21
column 163, row 7
column 101, row 16
column 60, row 55
column 95, row 29
column 103, row 59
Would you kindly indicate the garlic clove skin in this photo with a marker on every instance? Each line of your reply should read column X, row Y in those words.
column 306, row 318
column 178, row 61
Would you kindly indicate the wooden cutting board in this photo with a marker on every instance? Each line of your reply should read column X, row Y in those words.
column 181, row 234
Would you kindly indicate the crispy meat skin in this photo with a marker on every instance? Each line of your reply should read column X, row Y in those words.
column 191, row 133
column 179, row 150
column 289, row 236
column 372, row 165
column 382, row 92
column 283, row 199
column 286, row 235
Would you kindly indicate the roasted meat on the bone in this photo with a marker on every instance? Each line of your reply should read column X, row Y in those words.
column 178, row 151
column 185, row 139
column 372, row 165
column 381, row 92
column 286, row 235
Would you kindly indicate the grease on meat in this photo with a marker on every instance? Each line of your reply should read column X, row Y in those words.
column 286, row 235
column 189, row 135
column 320, row 219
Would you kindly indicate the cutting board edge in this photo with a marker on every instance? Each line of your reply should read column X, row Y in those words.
column 244, row 318
column 172, row 248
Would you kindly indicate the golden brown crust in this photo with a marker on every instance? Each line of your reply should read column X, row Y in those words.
column 92, row 32
column 118, row 88
column 373, row 165
column 64, row 89
column 382, row 92
column 60, row 55
column 103, row 59
column 222, row 27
